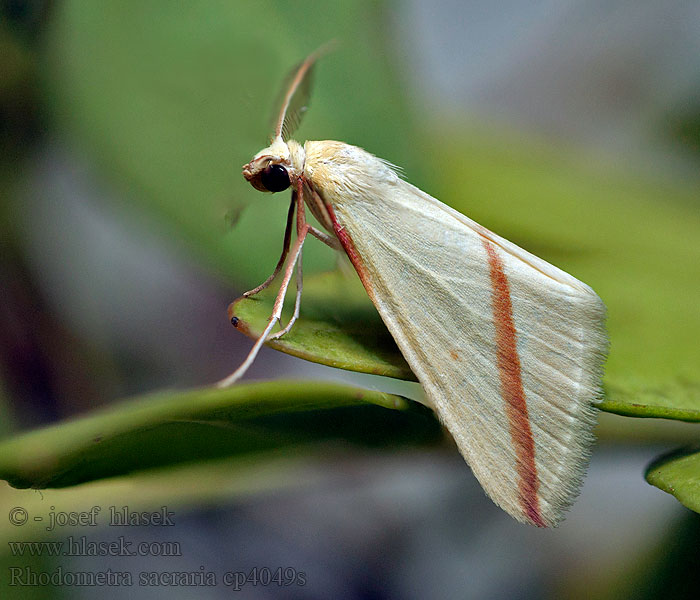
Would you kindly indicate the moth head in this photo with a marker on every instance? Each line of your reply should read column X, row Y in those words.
column 271, row 169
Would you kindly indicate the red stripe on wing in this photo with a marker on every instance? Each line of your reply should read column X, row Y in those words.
column 351, row 251
column 512, row 388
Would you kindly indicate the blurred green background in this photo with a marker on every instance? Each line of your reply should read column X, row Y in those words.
column 127, row 229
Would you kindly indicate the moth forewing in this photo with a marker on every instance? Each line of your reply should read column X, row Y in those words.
column 508, row 348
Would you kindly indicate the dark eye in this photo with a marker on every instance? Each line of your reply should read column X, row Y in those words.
column 275, row 178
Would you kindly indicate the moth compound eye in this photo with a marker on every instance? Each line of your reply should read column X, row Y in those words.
column 275, row 178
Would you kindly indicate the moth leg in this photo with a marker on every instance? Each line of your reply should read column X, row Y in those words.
column 297, row 300
column 301, row 224
column 285, row 250
column 328, row 240
column 276, row 312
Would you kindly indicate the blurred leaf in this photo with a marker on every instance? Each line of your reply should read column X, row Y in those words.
column 173, row 98
column 634, row 242
column 178, row 486
column 175, row 427
column 678, row 474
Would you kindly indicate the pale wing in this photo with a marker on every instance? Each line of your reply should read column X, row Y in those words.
column 508, row 348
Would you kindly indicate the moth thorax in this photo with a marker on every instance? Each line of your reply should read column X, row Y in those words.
column 297, row 155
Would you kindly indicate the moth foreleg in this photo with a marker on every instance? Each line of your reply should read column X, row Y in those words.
column 276, row 312
column 329, row 240
column 297, row 300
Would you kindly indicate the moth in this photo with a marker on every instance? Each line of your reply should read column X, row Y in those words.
column 508, row 348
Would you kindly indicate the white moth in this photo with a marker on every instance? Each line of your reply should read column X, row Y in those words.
column 508, row 348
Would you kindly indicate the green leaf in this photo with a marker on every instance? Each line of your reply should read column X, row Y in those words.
column 678, row 474
column 677, row 399
column 171, row 428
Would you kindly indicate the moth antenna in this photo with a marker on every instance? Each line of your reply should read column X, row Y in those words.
column 293, row 100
